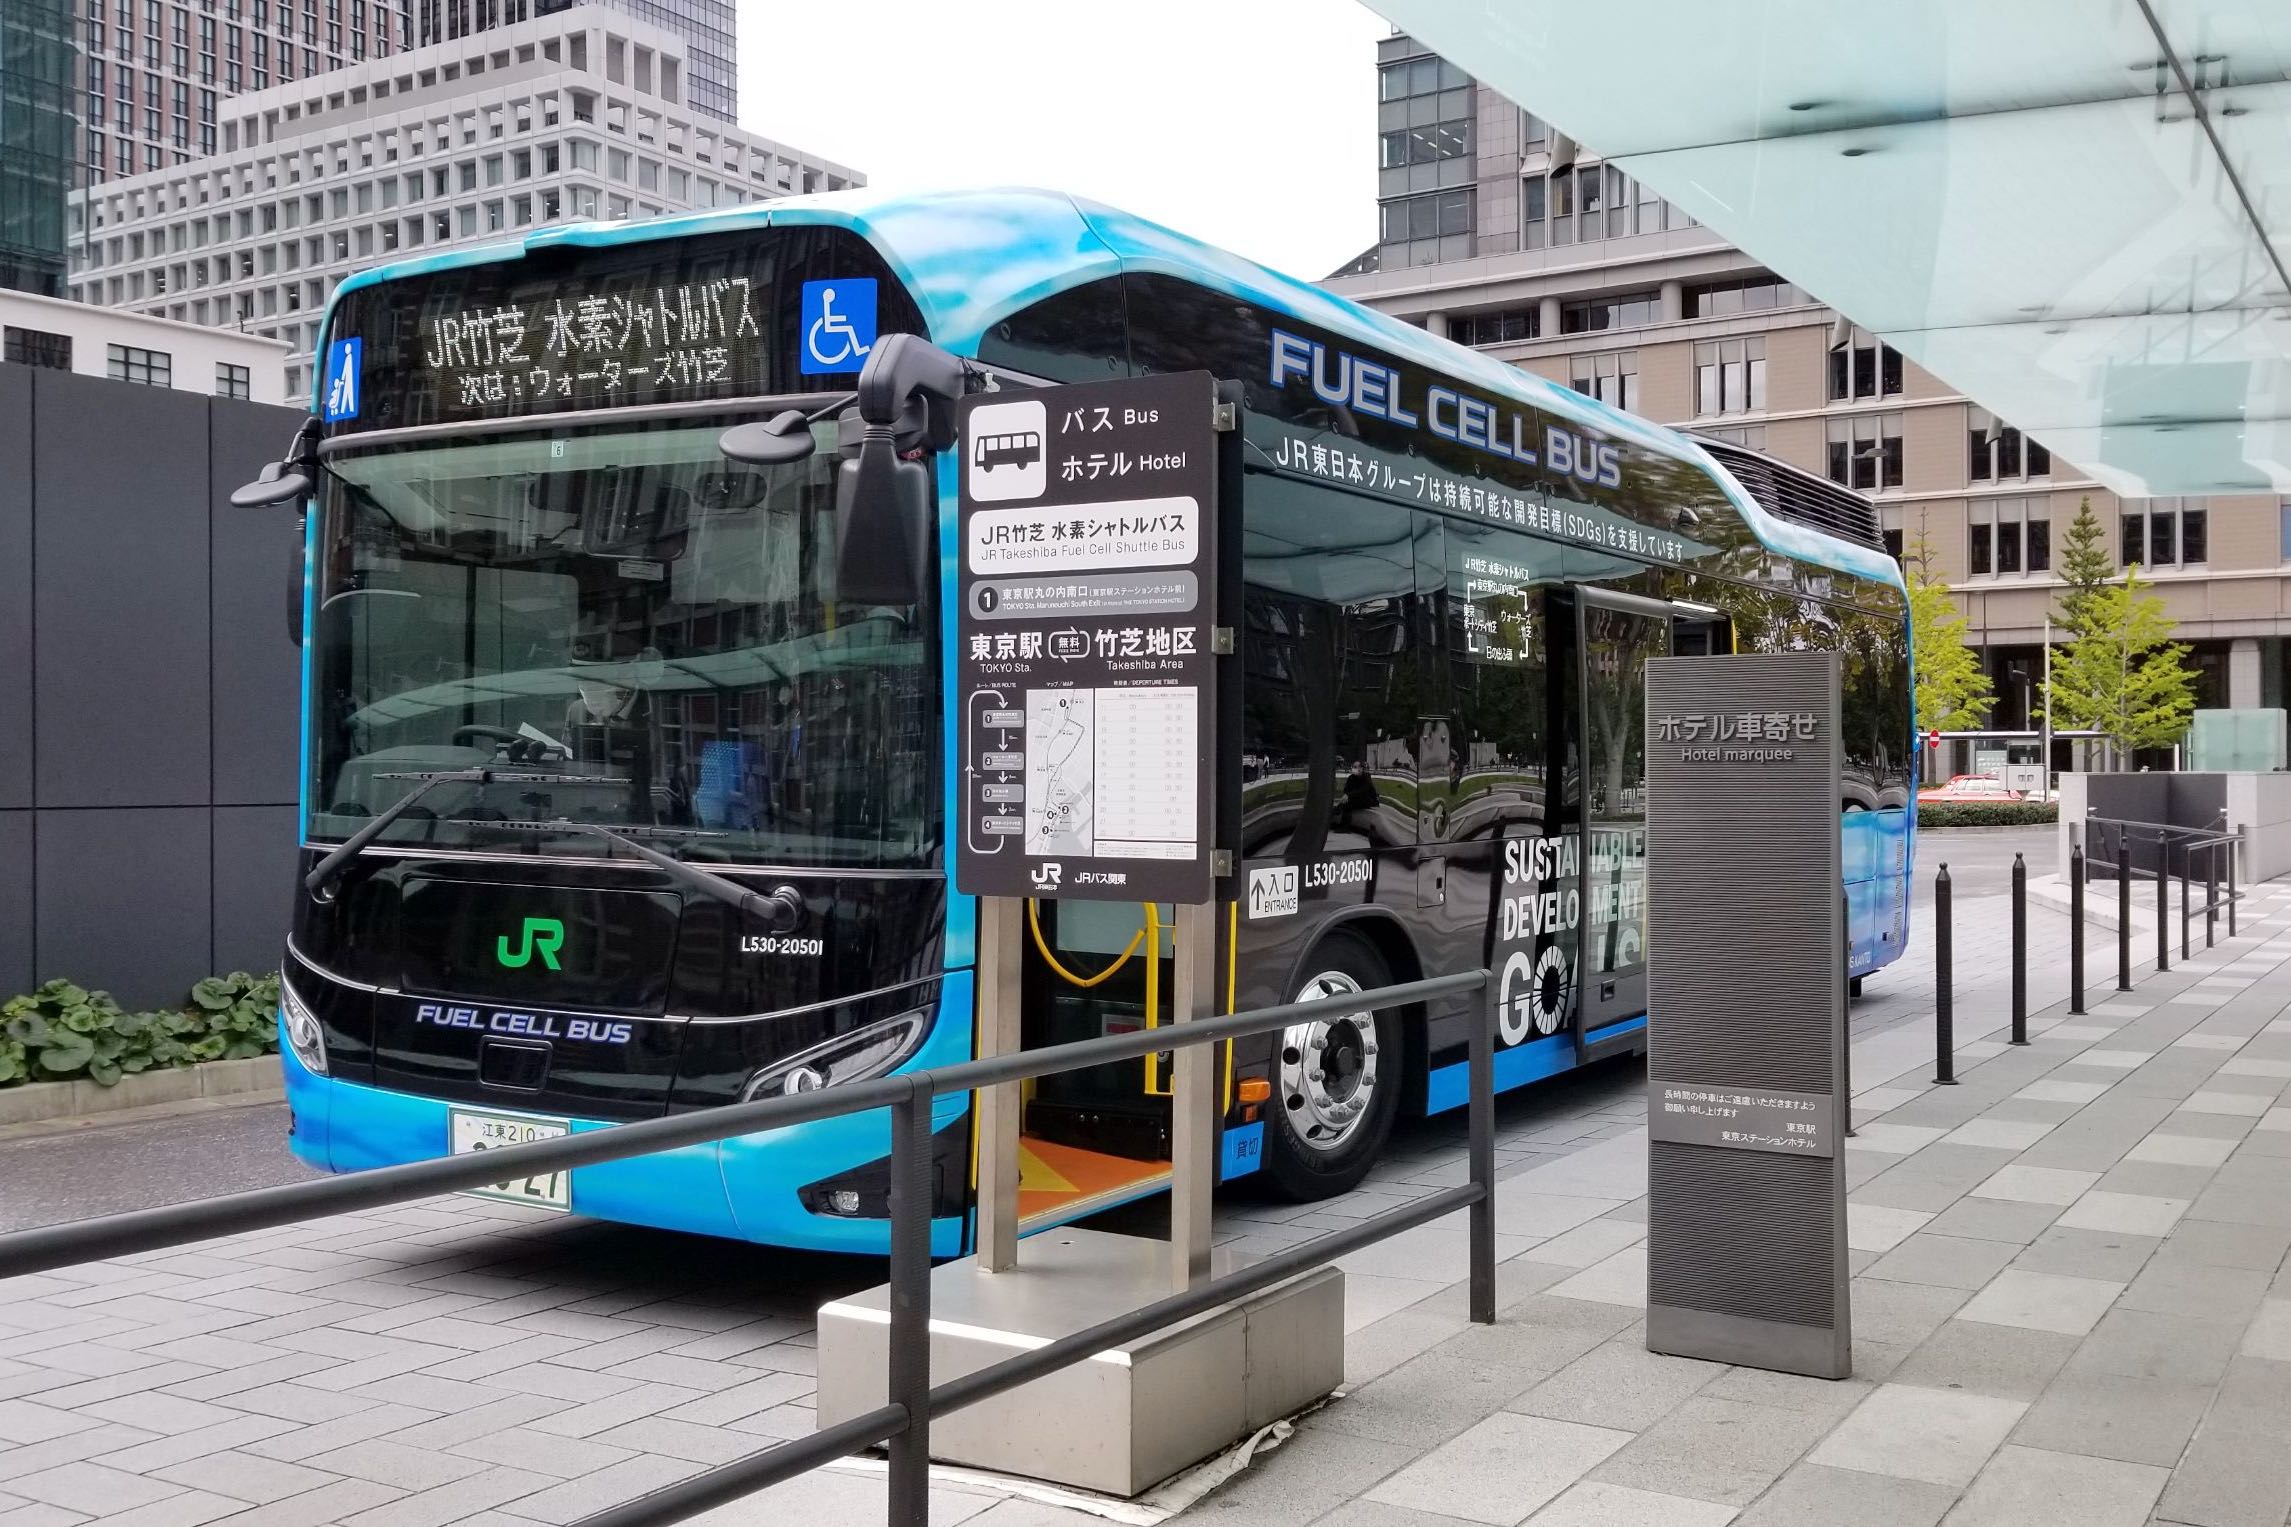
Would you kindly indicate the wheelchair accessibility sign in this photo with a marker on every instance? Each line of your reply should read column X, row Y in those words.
column 838, row 325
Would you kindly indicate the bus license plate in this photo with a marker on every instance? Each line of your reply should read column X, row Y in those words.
column 471, row 1132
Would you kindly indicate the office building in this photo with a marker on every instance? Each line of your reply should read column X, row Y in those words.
column 37, row 133
column 1499, row 232
column 569, row 117
column 50, row 334
column 709, row 29
column 155, row 73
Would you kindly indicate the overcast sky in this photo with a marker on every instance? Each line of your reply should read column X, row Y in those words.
column 1247, row 123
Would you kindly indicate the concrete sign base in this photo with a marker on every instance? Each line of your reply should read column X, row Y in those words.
column 1124, row 1420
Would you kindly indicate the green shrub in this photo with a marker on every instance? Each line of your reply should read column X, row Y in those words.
column 1986, row 813
column 64, row 1032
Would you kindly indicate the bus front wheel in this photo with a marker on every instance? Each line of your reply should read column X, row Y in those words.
column 1336, row 1079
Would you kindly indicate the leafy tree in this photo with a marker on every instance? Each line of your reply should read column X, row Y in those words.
column 2122, row 675
column 2085, row 567
column 1953, row 694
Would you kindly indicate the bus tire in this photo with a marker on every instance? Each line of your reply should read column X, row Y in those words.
column 1853, row 989
column 1336, row 1081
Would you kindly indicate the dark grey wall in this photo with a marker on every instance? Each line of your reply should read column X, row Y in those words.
column 147, row 688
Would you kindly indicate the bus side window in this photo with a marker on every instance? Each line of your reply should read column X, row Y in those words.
column 1335, row 676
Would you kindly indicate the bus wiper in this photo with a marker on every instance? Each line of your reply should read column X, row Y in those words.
column 320, row 881
column 781, row 911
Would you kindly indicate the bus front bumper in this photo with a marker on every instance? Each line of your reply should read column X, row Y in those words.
column 744, row 1188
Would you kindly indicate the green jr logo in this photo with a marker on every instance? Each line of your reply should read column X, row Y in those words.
column 544, row 934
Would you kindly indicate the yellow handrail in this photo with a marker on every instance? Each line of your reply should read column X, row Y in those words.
column 1042, row 947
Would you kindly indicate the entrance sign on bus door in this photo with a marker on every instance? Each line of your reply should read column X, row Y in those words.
column 1086, row 640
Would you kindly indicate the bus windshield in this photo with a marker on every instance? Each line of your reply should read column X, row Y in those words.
column 636, row 632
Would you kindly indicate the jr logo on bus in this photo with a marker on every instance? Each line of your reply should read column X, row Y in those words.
column 541, row 935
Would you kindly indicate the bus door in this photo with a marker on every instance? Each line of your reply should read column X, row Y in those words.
column 1091, row 1139
column 1615, row 636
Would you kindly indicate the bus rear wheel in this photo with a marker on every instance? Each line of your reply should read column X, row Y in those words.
column 1336, row 1079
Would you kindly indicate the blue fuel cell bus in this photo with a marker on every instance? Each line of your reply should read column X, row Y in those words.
column 627, row 734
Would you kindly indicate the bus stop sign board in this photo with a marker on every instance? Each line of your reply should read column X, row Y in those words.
column 1084, row 644
column 1746, row 1097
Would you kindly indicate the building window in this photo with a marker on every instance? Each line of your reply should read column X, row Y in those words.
column 233, row 381
column 2164, row 532
column 37, row 347
column 1996, row 452
column 1864, row 368
column 1434, row 226
column 1865, row 452
column 1749, row 296
column 2007, row 537
column 1427, row 145
column 1892, row 531
column 1751, row 437
column 1419, row 77
column 126, row 363
column 1628, row 310
column 1612, row 378
column 1730, row 376
column 1499, row 326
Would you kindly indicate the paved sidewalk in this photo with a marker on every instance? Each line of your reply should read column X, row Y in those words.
column 2070, row 1306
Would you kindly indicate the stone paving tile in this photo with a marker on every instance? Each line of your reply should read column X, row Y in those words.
column 2037, row 1185
column 2237, row 1472
column 2125, row 1213
column 2042, row 1302
column 1620, row 1385
column 1501, row 1469
column 2006, row 1362
column 249, row 1478
column 1601, row 1505
column 1715, row 1449
column 2027, row 1484
column 1938, row 1436
column 1951, row 1261
column 1812, row 1495
column 2144, row 1344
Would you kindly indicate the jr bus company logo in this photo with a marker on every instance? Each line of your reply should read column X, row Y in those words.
column 541, row 935
column 838, row 325
column 344, row 357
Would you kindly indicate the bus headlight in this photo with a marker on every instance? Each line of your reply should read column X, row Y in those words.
column 303, row 1034
column 862, row 1054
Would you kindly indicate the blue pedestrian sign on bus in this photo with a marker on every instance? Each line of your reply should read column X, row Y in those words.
column 838, row 324
column 343, row 358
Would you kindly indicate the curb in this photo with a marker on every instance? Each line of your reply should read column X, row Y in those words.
column 1951, row 832
column 64, row 1103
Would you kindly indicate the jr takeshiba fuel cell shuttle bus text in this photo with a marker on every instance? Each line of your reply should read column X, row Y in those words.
column 578, row 673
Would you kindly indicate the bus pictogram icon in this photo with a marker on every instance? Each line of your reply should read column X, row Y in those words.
column 1005, row 456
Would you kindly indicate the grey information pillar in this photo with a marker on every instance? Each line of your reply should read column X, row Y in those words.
column 1746, row 1099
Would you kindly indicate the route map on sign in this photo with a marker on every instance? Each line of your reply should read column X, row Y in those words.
column 1084, row 644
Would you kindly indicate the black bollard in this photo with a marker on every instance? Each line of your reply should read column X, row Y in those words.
column 2123, row 915
column 2163, row 903
column 2185, row 953
column 2076, row 931
column 2231, row 890
column 2211, row 897
column 2020, row 951
column 1944, row 987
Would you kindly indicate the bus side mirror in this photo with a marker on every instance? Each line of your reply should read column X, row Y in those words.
column 883, row 524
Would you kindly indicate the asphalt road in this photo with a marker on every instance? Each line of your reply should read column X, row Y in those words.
column 108, row 1169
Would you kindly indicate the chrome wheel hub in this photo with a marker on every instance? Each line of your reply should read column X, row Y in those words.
column 1328, row 1068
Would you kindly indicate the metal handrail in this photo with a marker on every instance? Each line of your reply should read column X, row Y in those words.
column 904, row 1422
